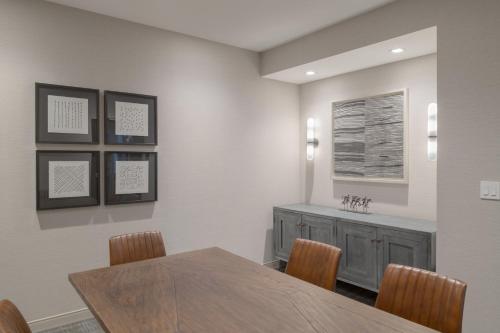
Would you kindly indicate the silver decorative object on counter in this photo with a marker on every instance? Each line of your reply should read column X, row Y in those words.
column 352, row 203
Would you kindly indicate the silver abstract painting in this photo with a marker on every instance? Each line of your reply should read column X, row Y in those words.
column 369, row 138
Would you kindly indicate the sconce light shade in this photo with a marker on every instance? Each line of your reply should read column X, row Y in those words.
column 310, row 152
column 311, row 141
column 432, row 149
column 310, row 129
column 432, row 120
column 432, row 132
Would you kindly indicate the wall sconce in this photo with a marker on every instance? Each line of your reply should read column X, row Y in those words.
column 312, row 142
column 432, row 132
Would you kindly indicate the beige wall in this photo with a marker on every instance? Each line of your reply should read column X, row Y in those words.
column 225, row 136
column 416, row 199
column 228, row 146
column 468, row 85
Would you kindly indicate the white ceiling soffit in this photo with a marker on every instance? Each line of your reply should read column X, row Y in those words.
column 415, row 44
column 251, row 24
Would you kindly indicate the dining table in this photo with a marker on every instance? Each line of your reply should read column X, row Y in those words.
column 213, row 290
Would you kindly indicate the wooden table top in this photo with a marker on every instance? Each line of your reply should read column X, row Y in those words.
column 213, row 290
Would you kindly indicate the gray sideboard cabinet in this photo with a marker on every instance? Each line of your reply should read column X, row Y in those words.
column 289, row 225
column 369, row 242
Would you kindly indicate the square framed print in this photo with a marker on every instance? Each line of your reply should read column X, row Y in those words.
column 130, row 119
column 66, row 114
column 370, row 139
column 67, row 179
column 130, row 177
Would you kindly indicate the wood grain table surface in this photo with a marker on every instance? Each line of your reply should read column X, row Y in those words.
column 213, row 290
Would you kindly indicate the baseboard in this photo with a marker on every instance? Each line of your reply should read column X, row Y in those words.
column 275, row 264
column 58, row 320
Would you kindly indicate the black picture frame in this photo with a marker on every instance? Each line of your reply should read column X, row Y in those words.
column 43, row 200
column 42, row 135
column 110, row 159
column 110, row 136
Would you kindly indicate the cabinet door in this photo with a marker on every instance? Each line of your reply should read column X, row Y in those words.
column 404, row 248
column 286, row 230
column 358, row 264
column 319, row 229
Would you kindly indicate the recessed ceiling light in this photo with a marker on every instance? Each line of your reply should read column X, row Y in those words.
column 309, row 73
column 398, row 50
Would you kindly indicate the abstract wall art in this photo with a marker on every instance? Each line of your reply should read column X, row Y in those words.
column 67, row 179
column 130, row 177
column 129, row 119
column 66, row 114
column 370, row 139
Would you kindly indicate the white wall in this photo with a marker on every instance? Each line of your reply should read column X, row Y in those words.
column 228, row 146
column 416, row 199
column 468, row 86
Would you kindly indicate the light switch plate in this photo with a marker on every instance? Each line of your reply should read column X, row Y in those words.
column 490, row 190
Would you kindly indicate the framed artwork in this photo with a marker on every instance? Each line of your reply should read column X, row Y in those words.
column 129, row 119
column 67, row 179
column 130, row 177
column 370, row 139
column 66, row 114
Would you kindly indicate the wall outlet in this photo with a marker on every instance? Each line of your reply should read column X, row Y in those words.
column 490, row 190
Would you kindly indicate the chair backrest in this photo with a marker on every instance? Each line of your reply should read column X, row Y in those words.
column 423, row 297
column 135, row 247
column 11, row 320
column 314, row 262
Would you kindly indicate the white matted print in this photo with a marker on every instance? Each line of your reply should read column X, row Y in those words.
column 68, row 115
column 68, row 179
column 131, row 119
column 132, row 177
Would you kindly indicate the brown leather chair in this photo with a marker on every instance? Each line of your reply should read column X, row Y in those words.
column 11, row 320
column 314, row 262
column 135, row 247
column 423, row 297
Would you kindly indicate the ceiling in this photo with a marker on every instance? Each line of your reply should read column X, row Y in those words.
column 415, row 44
column 251, row 24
